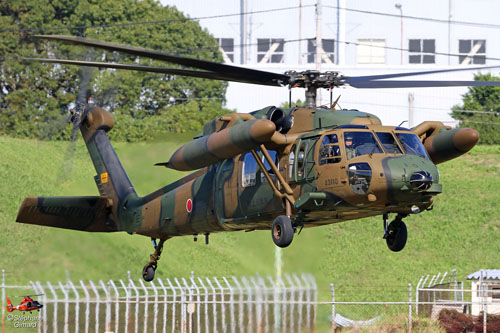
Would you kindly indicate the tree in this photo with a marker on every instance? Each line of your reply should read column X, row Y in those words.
column 33, row 95
column 484, row 106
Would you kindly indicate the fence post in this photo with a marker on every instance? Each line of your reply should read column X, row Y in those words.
column 183, row 306
column 258, row 305
column 155, row 307
column 223, row 305
column 146, row 305
column 127, row 304
column 136, row 323
column 198, row 301
column 301, row 296
column 87, row 306
column 292, row 302
column 44, row 297
column 332, row 288
column 315, row 296
column 54, row 326
column 77, row 305
column 66, row 307
column 206, row 303
column 265, row 292
column 214, row 298
column 37, row 291
column 308, row 302
column 250, row 307
column 165, row 299
column 108, row 305
column 188, row 304
column 97, row 304
column 231, row 306
column 240, row 302
column 117, row 306
column 174, row 295
column 409, row 308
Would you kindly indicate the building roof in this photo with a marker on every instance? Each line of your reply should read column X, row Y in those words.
column 488, row 274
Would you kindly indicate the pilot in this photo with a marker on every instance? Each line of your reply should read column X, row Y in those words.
column 349, row 147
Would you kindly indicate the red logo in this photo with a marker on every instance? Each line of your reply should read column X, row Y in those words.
column 189, row 205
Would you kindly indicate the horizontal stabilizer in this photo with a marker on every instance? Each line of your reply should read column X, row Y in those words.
column 77, row 213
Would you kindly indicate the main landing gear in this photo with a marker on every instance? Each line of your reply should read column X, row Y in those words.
column 148, row 272
column 282, row 231
column 395, row 234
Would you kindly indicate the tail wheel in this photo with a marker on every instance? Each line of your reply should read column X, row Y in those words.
column 148, row 273
column 397, row 234
column 282, row 231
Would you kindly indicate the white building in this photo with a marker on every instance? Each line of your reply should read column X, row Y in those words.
column 359, row 37
column 485, row 285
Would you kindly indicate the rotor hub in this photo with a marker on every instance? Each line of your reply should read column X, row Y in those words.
column 312, row 80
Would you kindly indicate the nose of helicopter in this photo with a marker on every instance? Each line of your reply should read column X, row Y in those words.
column 409, row 177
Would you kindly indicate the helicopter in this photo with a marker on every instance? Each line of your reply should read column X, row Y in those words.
column 278, row 169
column 27, row 304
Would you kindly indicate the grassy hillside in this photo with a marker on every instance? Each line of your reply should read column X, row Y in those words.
column 463, row 230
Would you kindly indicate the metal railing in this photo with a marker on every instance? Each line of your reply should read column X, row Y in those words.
column 194, row 304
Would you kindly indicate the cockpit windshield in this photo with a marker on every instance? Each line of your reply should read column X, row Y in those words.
column 360, row 143
column 412, row 145
column 389, row 143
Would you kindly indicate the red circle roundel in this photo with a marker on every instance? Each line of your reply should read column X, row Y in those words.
column 189, row 205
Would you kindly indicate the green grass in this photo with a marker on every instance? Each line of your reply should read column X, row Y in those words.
column 463, row 230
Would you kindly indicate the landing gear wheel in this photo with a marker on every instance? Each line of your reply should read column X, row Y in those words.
column 148, row 272
column 396, row 236
column 282, row 231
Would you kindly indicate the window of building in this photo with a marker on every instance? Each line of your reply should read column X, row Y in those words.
column 227, row 47
column 328, row 50
column 249, row 170
column 495, row 292
column 371, row 51
column 472, row 51
column 422, row 51
column 270, row 50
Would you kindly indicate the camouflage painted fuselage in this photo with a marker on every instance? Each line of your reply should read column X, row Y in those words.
column 233, row 194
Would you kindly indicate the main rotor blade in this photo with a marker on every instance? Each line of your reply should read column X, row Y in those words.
column 163, row 70
column 353, row 79
column 422, row 84
column 256, row 76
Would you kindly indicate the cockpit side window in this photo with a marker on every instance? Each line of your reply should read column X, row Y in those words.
column 329, row 151
column 360, row 143
column 389, row 143
column 249, row 170
column 412, row 145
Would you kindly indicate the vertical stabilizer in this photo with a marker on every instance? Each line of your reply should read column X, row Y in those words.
column 111, row 179
column 10, row 308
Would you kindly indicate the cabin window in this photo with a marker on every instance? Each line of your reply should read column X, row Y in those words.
column 360, row 143
column 291, row 159
column 411, row 144
column 329, row 151
column 301, row 160
column 274, row 157
column 249, row 170
column 389, row 143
